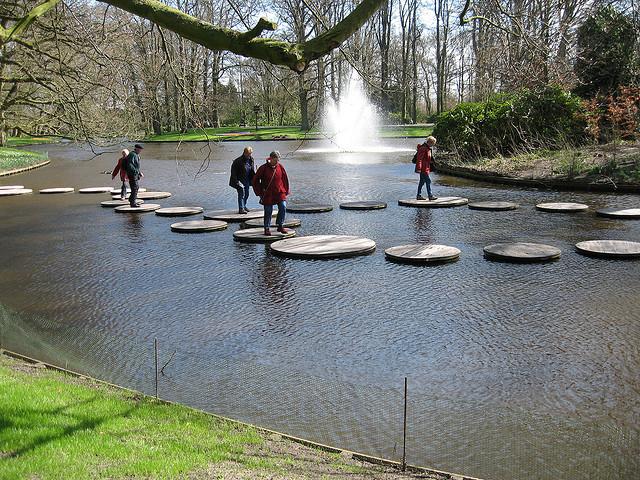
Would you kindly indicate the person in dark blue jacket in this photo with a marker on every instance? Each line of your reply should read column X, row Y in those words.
column 131, row 165
column 243, row 169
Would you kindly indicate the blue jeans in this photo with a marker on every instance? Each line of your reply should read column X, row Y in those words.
column 268, row 210
column 424, row 180
column 243, row 196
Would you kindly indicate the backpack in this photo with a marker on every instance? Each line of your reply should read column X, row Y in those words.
column 415, row 158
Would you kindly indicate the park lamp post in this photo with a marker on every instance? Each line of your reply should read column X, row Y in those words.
column 256, row 110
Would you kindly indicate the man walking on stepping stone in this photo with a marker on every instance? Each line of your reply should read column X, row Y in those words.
column 243, row 170
column 131, row 165
column 423, row 159
column 271, row 184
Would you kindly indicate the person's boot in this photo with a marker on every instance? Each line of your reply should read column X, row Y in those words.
column 420, row 197
column 431, row 197
column 281, row 229
column 267, row 232
column 241, row 211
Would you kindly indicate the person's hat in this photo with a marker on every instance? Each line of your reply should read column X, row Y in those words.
column 137, row 145
column 274, row 154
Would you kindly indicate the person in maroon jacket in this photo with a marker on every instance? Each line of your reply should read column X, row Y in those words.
column 123, row 174
column 424, row 156
column 271, row 184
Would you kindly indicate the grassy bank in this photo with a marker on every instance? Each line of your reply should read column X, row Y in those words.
column 24, row 140
column 275, row 133
column 56, row 426
column 614, row 162
column 11, row 159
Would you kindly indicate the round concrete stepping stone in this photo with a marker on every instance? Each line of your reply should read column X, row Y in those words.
column 95, row 190
column 440, row 202
column 364, row 205
column 57, row 190
column 493, row 206
column 146, row 207
column 309, row 207
column 11, row 187
column 323, row 246
column 259, row 222
column 621, row 213
column 116, row 203
column 14, row 191
column 562, row 207
column 422, row 254
column 234, row 216
column 256, row 235
column 153, row 195
column 521, row 252
column 116, row 191
column 609, row 248
column 198, row 226
column 179, row 211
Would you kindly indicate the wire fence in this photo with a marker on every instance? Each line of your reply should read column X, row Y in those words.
column 443, row 432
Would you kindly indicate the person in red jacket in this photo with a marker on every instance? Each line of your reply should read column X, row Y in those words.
column 271, row 184
column 123, row 173
column 424, row 156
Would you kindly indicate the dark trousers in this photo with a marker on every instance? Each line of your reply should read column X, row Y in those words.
column 133, row 183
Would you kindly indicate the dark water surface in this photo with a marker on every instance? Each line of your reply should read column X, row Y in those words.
column 514, row 371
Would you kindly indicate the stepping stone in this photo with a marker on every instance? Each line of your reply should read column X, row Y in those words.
column 11, row 187
column 234, row 216
column 116, row 191
column 609, row 248
column 521, row 252
column 198, row 226
column 309, row 207
column 422, row 254
column 146, row 207
column 179, row 211
column 440, row 202
column 95, row 190
column 323, row 246
column 58, row 190
column 116, row 203
column 493, row 206
column 364, row 205
column 259, row 222
column 256, row 235
column 621, row 213
column 562, row 207
column 14, row 191
column 153, row 195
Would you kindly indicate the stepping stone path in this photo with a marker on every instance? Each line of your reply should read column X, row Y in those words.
column 309, row 207
column 198, row 226
column 153, row 195
column 116, row 191
column 95, row 190
column 179, row 211
column 323, row 246
column 256, row 235
column 440, row 202
column 365, row 205
column 12, row 187
column 15, row 191
column 116, row 203
column 521, row 252
column 147, row 207
column 562, row 207
column 609, row 248
column 422, row 254
column 57, row 190
column 234, row 216
column 259, row 222
column 621, row 213
column 493, row 206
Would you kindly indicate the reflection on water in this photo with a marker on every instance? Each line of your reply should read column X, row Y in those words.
column 514, row 370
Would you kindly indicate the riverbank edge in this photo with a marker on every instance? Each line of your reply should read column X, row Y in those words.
column 549, row 184
column 308, row 443
column 226, row 140
column 24, row 169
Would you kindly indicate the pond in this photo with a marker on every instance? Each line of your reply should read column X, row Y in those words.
column 514, row 371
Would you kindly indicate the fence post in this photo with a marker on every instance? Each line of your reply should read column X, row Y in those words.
column 155, row 351
column 404, row 429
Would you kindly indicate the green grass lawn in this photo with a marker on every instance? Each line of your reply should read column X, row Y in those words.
column 275, row 133
column 12, row 158
column 20, row 141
